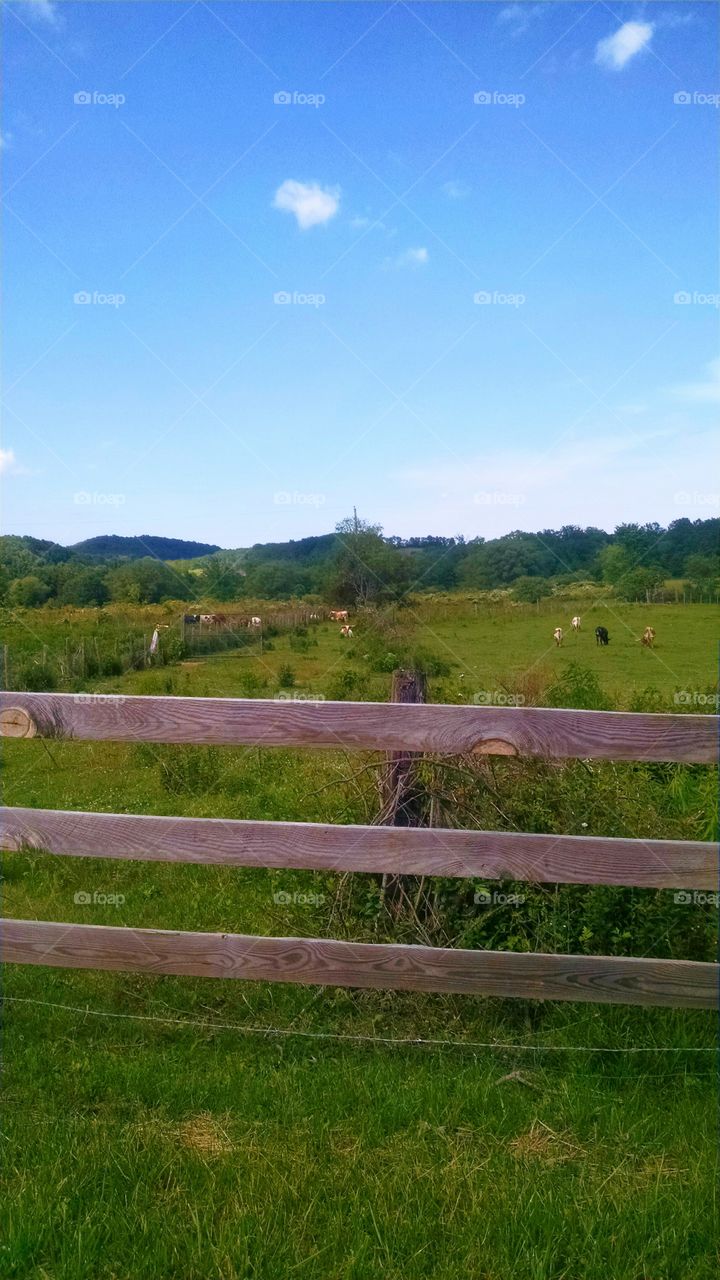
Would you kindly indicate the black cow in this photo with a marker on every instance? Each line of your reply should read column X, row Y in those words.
column 601, row 635
column 191, row 617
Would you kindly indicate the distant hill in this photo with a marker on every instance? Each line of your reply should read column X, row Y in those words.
column 109, row 546
column 309, row 550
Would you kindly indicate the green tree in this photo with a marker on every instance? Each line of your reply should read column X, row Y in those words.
column 147, row 581
column 529, row 590
column 366, row 568
column 702, row 571
column 222, row 579
column 85, row 587
column 29, row 591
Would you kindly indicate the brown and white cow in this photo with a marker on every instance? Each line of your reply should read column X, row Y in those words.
column 558, row 636
column 575, row 624
column 338, row 615
column 346, row 631
column 648, row 637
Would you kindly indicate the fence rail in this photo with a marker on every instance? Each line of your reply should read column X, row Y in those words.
column 449, row 730
column 312, row 846
column 555, row 734
column 535, row 976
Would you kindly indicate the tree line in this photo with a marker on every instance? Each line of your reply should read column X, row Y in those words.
column 357, row 564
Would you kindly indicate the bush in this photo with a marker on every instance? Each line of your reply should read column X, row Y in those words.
column 286, row 677
column 429, row 664
column 111, row 667
column 37, row 677
column 578, row 687
column 347, row 687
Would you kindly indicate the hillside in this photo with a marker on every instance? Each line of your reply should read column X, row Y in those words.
column 111, row 546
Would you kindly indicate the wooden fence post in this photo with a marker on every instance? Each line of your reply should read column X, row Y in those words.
column 402, row 806
column 402, row 796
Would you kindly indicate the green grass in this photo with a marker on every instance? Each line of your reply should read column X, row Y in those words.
column 146, row 1149
column 149, row 1150
column 512, row 647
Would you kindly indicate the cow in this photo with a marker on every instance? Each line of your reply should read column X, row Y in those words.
column 314, row 617
column 191, row 618
column 558, row 636
column 255, row 622
column 601, row 635
column 575, row 624
column 207, row 617
column 338, row 615
column 346, row 631
column 648, row 637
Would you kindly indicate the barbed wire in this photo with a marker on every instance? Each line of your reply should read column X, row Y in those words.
column 357, row 1038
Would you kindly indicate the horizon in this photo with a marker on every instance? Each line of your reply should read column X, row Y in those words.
column 452, row 264
column 530, row 533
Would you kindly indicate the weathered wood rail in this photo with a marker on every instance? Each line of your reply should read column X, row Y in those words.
column 313, row 846
column 556, row 734
column 448, row 730
column 537, row 976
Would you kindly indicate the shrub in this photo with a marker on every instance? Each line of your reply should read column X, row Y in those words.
column 578, row 687
column 346, row 687
column 37, row 677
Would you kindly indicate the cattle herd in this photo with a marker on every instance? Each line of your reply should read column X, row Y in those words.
column 602, row 636
column 227, row 620
column 220, row 620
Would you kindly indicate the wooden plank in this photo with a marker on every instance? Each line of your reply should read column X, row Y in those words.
column 497, row 855
column 526, row 731
column 604, row 979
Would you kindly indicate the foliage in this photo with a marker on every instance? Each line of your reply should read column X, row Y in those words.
column 357, row 564
column 529, row 590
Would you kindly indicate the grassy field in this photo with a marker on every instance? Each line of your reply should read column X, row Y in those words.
column 151, row 1130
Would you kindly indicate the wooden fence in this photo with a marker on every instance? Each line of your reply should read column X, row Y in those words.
column 444, row 730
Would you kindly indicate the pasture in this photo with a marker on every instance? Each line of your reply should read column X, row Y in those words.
column 165, row 1126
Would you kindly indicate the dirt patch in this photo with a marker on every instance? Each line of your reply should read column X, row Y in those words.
column 543, row 1144
column 204, row 1135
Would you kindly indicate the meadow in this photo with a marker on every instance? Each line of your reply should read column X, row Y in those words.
column 157, row 1126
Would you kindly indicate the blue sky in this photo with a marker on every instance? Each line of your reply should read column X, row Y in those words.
column 502, row 312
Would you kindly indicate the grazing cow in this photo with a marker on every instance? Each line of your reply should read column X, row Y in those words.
column 648, row 637
column 191, row 618
column 338, row 615
column 346, row 631
column 558, row 636
column 255, row 622
column 601, row 635
column 575, row 624
column 207, row 617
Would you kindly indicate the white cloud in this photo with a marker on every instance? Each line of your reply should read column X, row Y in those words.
column 707, row 392
column 411, row 258
column 516, row 18
column 311, row 204
column 44, row 10
column 455, row 190
column 615, row 51
column 600, row 479
column 7, row 461
column 360, row 223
